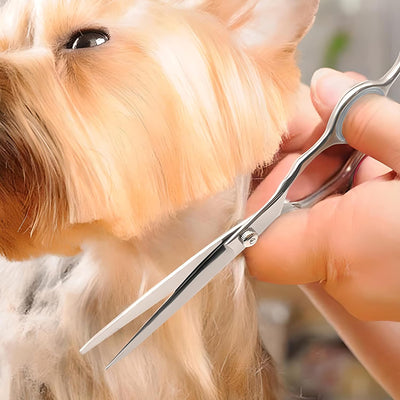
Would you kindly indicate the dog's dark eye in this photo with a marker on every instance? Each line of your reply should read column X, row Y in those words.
column 87, row 39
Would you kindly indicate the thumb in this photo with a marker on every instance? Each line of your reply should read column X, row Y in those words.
column 295, row 248
column 327, row 88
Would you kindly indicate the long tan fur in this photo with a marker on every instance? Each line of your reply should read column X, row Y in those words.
column 126, row 159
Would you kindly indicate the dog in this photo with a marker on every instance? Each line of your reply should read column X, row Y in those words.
column 128, row 133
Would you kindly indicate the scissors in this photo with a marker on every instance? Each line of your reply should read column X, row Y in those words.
column 184, row 282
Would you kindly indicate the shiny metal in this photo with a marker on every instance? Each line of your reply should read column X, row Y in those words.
column 185, row 291
column 249, row 238
column 157, row 293
column 339, row 183
column 195, row 273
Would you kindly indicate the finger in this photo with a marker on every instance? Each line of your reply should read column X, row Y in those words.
column 372, row 127
column 318, row 172
column 328, row 86
column 338, row 244
column 356, row 76
column 372, row 124
column 293, row 249
column 289, row 252
column 269, row 185
column 370, row 169
column 315, row 175
column 362, row 270
column 305, row 126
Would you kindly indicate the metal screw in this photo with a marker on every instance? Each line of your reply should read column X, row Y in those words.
column 249, row 238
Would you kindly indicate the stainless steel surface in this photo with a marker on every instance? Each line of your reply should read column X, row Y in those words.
column 340, row 183
column 157, row 293
column 249, row 238
column 180, row 297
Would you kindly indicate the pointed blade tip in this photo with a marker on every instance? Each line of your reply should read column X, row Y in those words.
column 111, row 363
column 89, row 345
column 107, row 367
column 84, row 349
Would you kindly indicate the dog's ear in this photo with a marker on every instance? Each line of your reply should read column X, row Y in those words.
column 277, row 22
column 272, row 23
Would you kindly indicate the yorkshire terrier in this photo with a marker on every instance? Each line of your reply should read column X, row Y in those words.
column 128, row 132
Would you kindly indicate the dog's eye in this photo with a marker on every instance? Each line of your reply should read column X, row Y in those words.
column 87, row 39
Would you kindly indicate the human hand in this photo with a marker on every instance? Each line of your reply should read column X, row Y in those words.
column 349, row 243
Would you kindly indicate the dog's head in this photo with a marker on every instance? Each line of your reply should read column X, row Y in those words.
column 118, row 113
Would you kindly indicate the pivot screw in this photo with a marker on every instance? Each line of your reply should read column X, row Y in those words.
column 249, row 238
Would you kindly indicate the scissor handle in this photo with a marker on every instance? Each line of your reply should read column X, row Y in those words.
column 339, row 183
column 333, row 135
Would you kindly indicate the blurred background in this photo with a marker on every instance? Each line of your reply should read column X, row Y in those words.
column 353, row 35
column 363, row 36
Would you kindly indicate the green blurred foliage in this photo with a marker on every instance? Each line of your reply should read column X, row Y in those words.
column 336, row 47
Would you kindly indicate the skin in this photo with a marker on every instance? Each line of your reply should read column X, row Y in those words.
column 345, row 251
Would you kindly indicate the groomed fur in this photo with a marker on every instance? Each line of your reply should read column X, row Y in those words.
column 209, row 350
column 132, row 151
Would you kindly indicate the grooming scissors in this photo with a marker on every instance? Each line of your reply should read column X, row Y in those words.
column 194, row 274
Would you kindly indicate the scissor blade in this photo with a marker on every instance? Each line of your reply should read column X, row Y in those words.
column 156, row 293
column 221, row 257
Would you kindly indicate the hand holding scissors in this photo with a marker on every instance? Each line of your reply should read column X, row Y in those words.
column 194, row 274
column 349, row 243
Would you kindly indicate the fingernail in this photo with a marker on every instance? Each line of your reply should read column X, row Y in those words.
column 328, row 86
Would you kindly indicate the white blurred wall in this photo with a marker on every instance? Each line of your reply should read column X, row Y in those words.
column 374, row 28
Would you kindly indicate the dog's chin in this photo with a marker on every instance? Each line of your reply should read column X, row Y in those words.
column 23, row 246
column 17, row 244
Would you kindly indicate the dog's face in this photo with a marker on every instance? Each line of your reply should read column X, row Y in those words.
column 115, row 114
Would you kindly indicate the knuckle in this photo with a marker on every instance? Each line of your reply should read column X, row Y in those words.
column 337, row 271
